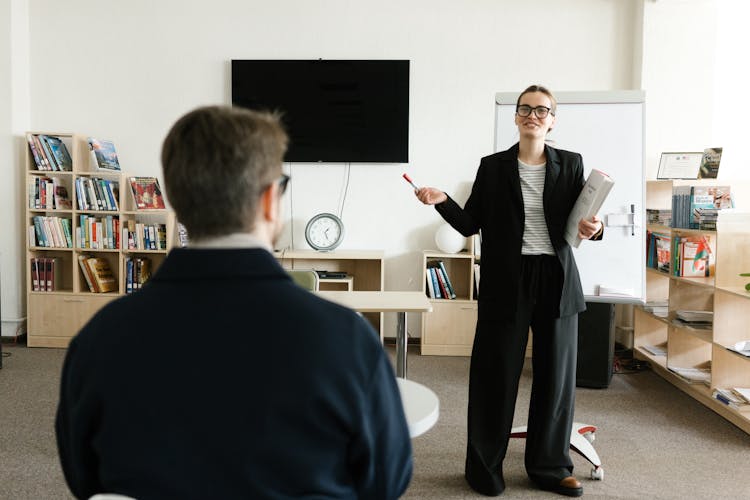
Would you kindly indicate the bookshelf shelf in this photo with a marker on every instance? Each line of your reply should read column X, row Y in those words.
column 722, row 292
column 449, row 329
column 56, row 315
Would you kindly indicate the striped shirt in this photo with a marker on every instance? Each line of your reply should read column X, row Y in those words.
column 535, row 235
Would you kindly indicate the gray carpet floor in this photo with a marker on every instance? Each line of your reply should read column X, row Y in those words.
column 654, row 441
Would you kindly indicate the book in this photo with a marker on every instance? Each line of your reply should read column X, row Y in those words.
column 709, row 168
column 101, row 274
column 730, row 398
column 742, row 347
column 656, row 350
column 182, row 235
column 696, row 375
column 103, row 155
column 694, row 257
column 704, row 201
column 590, row 200
column 146, row 193
column 86, row 271
column 60, row 152
column 62, row 199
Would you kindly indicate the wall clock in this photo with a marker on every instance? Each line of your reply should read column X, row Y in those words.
column 324, row 232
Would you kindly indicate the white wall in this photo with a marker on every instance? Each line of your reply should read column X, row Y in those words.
column 14, row 119
column 126, row 70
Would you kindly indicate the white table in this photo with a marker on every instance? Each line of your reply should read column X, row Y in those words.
column 385, row 301
column 421, row 406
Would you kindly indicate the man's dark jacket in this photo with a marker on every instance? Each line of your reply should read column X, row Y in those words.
column 221, row 378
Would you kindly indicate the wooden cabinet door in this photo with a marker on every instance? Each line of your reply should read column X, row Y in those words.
column 54, row 319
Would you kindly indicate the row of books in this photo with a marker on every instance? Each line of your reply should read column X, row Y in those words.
column 679, row 255
column 48, row 194
column 439, row 285
column 97, row 194
column 696, row 207
column 50, row 232
column 140, row 236
column 98, row 233
column 98, row 274
column 662, row 217
column 49, row 153
column 137, row 272
column 658, row 250
column 691, row 256
column 45, row 274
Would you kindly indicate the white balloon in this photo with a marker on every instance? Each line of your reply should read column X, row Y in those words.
column 448, row 240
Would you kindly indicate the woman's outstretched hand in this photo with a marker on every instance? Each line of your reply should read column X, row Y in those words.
column 430, row 196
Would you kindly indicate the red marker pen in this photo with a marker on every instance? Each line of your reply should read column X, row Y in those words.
column 408, row 179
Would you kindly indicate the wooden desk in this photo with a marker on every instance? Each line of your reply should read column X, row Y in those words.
column 385, row 301
column 421, row 406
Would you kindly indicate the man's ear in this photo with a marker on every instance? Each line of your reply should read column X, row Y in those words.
column 268, row 201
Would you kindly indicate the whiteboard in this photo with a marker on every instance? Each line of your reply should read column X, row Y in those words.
column 607, row 129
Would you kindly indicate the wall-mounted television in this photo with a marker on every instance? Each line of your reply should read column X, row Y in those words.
column 333, row 110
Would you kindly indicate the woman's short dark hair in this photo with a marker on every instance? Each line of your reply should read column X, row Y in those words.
column 217, row 160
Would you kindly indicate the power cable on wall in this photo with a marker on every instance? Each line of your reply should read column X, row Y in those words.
column 348, row 170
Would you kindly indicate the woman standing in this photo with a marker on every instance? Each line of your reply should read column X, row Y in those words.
column 520, row 201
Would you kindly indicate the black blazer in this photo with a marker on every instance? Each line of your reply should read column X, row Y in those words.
column 221, row 378
column 495, row 207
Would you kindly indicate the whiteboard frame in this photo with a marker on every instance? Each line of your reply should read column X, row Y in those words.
column 601, row 97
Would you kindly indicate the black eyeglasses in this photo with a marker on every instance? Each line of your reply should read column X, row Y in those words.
column 540, row 112
column 283, row 183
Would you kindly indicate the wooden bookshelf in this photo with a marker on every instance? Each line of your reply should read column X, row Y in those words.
column 54, row 317
column 723, row 293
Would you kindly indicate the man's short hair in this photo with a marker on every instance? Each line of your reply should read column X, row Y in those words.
column 217, row 161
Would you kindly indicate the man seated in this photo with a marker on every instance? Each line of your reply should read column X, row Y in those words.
column 221, row 378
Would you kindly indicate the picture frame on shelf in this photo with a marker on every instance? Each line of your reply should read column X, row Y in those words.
column 684, row 165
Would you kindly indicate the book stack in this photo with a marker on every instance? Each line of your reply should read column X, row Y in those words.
column 50, row 232
column 49, row 153
column 695, row 319
column 98, row 274
column 735, row 397
column 45, row 274
column 657, row 307
column 693, row 375
column 98, row 232
column 662, row 217
column 97, row 194
column 48, row 194
column 691, row 256
column 142, row 236
column 681, row 207
column 137, row 272
column 439, row 285
column 658, row 251
column 705, row 202
column 741, row 347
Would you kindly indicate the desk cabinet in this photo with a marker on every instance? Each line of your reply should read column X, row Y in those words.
column 364, row 269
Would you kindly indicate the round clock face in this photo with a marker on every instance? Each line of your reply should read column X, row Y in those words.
column 324, row 232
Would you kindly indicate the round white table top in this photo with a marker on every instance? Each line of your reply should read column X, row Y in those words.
column 421, row 406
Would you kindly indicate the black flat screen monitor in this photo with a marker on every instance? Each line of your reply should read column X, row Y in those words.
column 333, row 110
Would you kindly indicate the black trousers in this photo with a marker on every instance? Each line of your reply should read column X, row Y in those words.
column 496, row 362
